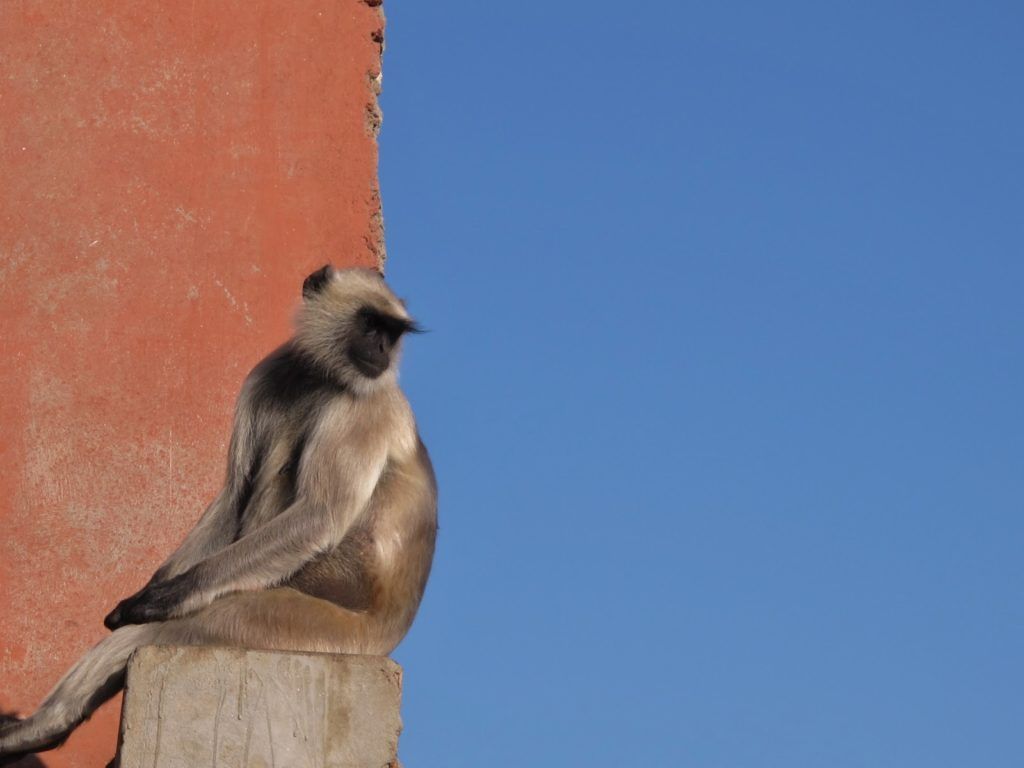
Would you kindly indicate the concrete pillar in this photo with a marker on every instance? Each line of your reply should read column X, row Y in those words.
column 169, row 172
column 228, row 708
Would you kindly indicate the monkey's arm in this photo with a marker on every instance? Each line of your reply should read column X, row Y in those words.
column 261, row 559
column 334, row 490
column 218, row 526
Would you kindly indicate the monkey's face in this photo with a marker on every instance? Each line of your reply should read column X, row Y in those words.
column 374, row 339
column 352, row 324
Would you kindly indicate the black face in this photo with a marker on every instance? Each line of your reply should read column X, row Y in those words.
column 376, row 335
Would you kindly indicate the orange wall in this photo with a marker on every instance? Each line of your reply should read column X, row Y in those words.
column 169, row 172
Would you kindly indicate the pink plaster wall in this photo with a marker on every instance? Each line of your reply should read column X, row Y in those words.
column 169, row 172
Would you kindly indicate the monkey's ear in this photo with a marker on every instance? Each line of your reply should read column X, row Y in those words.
column 313, row 284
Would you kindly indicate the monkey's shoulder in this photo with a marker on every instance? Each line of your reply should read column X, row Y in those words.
column 286, row 377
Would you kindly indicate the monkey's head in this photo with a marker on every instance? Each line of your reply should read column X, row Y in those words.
column 352, row 325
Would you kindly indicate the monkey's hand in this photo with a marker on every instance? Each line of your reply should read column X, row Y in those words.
column 154, row 602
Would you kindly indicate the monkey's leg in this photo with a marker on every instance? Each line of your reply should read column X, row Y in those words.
column 92, row 680
column 281, row 619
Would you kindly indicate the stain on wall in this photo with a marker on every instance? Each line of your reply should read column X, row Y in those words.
column 170, row 172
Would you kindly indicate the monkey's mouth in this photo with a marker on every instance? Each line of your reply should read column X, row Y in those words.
column 370, row 367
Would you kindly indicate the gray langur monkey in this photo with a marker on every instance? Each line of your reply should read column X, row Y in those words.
column 323, row 534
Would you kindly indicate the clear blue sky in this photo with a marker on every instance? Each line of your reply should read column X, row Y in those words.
column 725, row 384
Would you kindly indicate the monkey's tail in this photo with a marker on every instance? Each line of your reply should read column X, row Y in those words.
column 95, row 678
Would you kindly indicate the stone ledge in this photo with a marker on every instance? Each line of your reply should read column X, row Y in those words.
column 232, row 708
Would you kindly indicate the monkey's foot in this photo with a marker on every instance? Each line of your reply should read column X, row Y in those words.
column 154, row 602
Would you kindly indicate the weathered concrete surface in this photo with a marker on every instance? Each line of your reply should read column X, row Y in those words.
column 229, row 708
column 169, row 172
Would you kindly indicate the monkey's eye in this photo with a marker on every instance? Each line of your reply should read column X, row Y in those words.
column 368, row 327
column 382, row 326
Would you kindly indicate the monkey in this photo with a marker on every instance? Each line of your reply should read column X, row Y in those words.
column 323, row 534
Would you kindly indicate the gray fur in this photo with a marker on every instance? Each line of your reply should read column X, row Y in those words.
column 322, row 536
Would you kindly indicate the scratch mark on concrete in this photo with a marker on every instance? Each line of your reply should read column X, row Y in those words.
column 325, row 728
column 270, row 735
column 216, row 724
column 159, row 720
column 241, row 688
